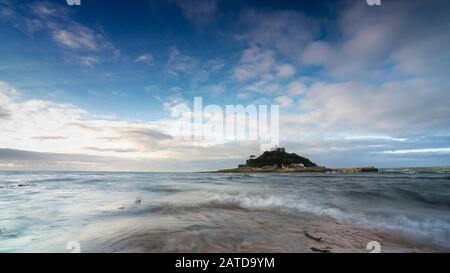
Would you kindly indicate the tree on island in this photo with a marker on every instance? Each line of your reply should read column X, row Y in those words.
column 280, row 158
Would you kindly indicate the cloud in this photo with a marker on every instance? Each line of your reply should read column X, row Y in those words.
column 66, row 31
column 89, row 61
column 336, row 125
column 260, row 71
column 263, row 87
column 194, row 68
column 199, row 159
column 366, row 84
column 285, row 70
column 362, row 61
column 77, row 38
column 198, row 11
column 17, row 155
column 145, row 58
column 287, row 32
column 56, row 21
column 45, row 135
column 95, row 149
column 284, row 101
column 374, row 137
column 361, row 43
column 145, row 134
column 215, row 88
column 215, row 65
column 119, row 94
column 15, row 159
column 254, row 62
column 419, row 151
column 176, row 99
column 400, row 35
column 4, row 114
column 373, row 109
column 50, row 138
column 179, row 63
column 45, row 126
column 295, row 88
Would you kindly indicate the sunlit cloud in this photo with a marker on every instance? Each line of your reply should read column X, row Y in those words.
column 418, row 151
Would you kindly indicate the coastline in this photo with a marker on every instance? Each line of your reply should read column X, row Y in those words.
column 281, row 233
column 298, row 170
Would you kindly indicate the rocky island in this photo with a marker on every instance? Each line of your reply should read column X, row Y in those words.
column 278, row 160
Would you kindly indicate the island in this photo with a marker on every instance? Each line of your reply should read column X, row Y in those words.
column 277, row 160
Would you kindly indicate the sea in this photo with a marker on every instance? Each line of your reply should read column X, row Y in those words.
column 406, row 210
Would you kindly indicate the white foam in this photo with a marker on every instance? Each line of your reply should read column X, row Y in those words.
column 437, row 231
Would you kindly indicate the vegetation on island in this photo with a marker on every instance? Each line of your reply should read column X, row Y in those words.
column 280, row 158
column 279, row 161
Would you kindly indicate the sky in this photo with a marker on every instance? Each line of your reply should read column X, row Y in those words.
column 92, row 87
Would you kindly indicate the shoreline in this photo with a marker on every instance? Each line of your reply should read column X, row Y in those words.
column 298, row 170
column 281, row 233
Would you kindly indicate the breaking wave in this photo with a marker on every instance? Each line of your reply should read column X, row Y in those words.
column 426, row 228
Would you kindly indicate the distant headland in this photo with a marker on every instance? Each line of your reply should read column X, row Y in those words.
column 277, row 160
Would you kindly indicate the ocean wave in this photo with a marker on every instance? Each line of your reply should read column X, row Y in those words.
column 62, row 179
column 16, row 185
column 436, row 170
column 414, row 177
column 272, row 202
column 437, row 231
column 416, row 196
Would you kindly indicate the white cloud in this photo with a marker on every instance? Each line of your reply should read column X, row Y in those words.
column 45, row 126
column 145, row 58
column 395, row 108
column 419, row 151
column 401, row 36
column 254, row 62
column 377, row 138
column 78, row 37
column 215, row 88
column 199, row 11
column 215, row 65
column 259, row 69
column 264, row 87
column 56, row 21
column 119, row 94
column 287, row 32
column 285, row 70
column 197, row 69
column 296, row 88
column 284, row 101
column 318, row 52
column 42, row 134
column 363, row 43
column 179, row 62
column 89, row 61
column 63, row 136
